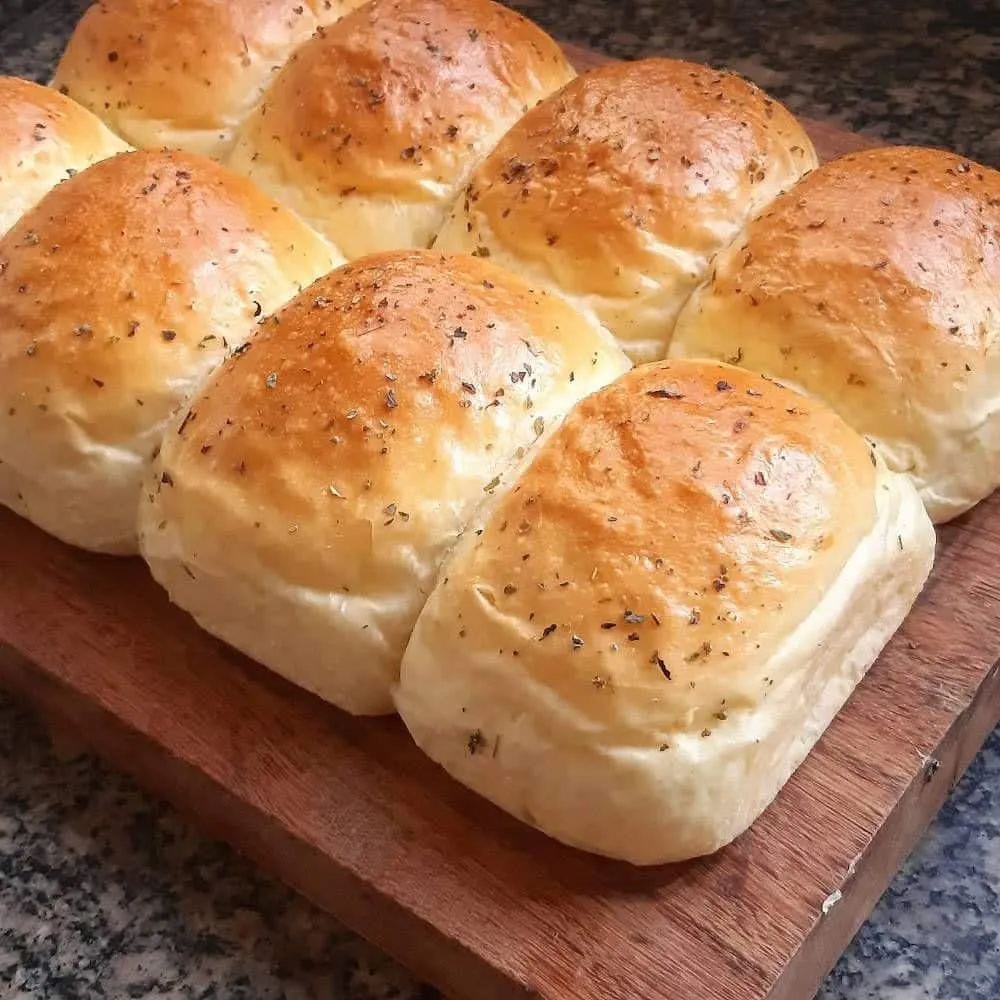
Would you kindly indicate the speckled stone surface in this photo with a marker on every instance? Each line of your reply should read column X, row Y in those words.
column 11, row 11
column 902, row 72
column 105, row 893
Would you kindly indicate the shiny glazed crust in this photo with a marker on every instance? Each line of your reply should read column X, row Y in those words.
column 119, row 292
column 184, row 73
column 618, row 189
column 875, row 285
column 44, row 138
column 302, row 505
column 664, row 613
column 372, row 128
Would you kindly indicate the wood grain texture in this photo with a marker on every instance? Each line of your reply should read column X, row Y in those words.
column 350, row 813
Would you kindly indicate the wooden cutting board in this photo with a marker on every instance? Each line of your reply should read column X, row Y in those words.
column 350, row 813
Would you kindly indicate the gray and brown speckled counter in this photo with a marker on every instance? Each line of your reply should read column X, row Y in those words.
column 106, row 893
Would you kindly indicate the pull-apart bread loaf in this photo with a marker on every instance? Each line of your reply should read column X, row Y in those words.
column 373, row 127
column 184, row 73
column 119, row 292
column 665, row 612
column 300, row 508
column 619, row 189
column 875, row 285
column 44, row 138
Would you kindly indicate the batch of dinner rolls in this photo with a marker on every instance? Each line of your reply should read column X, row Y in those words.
column 586, row 421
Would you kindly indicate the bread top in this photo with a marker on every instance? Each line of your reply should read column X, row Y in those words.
column 874, row 284
column 44, row 138
column 399, row 98
column 668, row 537
column 630, row 167
column 184, row 72
column 350, row 440
column 131, row 279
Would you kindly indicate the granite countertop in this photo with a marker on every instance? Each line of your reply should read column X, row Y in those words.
column 107, row 893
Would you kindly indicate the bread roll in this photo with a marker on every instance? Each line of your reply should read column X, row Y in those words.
column 875, row 285
column 184, row 73
column 665, row 612
column 372, row 128
column 618, row 190
column 300, row 509
column 119, row 292
column 44, row 138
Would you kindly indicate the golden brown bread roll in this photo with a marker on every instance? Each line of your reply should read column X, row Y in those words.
column 665, row 612
column 618, row 190
column 372, row 128
column 119, row 292
column 184, row 73
column 875, row 285
column 301, row 506
column 44, row 138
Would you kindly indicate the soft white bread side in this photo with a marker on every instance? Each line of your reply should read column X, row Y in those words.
column 666, row 611
column 44, row 138
column 119, row 292
column 184, row 73
column 875, row 285
column 300, row 509
column 618, row 190
column 373, row 127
